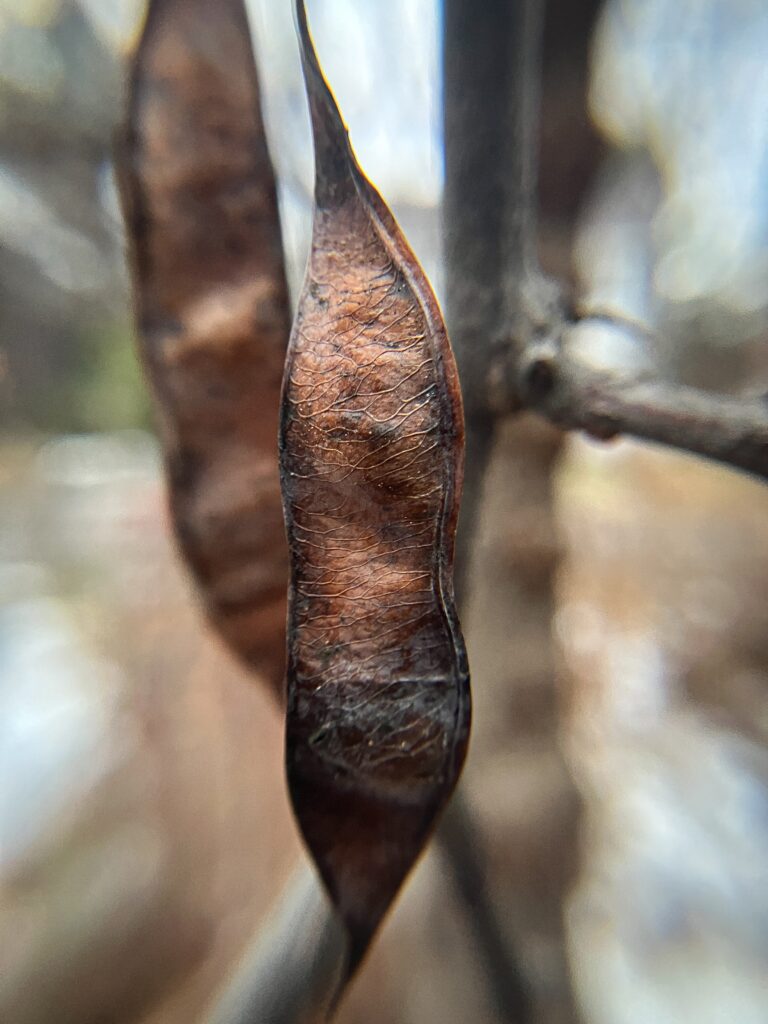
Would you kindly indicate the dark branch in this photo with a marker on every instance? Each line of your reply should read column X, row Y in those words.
column 465, row 860
column 491, row 75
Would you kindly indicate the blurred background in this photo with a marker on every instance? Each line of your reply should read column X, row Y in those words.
column 618, row 631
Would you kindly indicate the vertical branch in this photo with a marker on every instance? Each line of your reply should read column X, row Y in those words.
column 465, row 861
column 520, row 156
column 491, row 75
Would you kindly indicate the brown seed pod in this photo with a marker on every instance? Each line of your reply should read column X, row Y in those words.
column 371, row 446
column 212, row 307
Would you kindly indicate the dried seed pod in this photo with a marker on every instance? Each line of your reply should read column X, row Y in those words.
column 371, row 448
column 212, row 307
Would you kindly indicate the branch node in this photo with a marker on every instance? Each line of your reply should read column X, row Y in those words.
column 539, row 377
column 602, row 427
column 538, row 373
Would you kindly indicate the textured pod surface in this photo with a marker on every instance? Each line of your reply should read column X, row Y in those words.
column 212, row 307
column 371, row 462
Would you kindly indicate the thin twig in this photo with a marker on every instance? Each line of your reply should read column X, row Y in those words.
column 573, row 395
column 289, row 974
column 466, row 862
